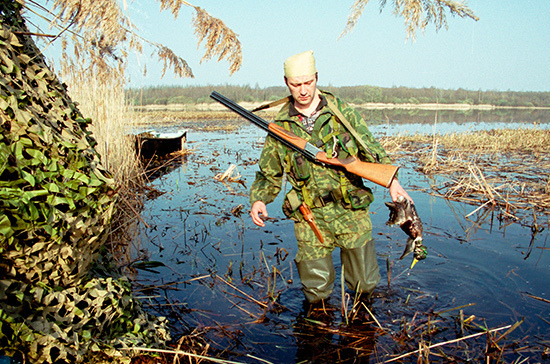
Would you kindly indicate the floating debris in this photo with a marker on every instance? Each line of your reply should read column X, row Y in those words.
column 228, row 175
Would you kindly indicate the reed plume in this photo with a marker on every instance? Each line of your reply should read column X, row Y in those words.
column 103, row 35
column 417, row 14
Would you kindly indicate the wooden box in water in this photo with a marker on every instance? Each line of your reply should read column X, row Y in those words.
column 151, row 143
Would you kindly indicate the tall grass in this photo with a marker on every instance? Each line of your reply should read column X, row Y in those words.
column 112, row 124
column 504, row 168
column 102, row 99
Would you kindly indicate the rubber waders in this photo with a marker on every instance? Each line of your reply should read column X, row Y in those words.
column 317, row 277
column 361, row 268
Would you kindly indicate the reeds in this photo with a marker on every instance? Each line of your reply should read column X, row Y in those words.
column 112, row 125
column 101, row 98
column 96, row 39
column 502, row 169
column 206, row 118
column 416, row 14
column 102, row 35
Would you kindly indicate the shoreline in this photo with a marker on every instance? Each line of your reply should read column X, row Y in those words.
column 209, row 107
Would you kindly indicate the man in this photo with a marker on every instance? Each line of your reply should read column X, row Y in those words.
column 338, row 200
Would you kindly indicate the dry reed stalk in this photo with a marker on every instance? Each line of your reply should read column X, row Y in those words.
column 259, row 359
column 242, row 309
column 503, row 168
column 247, row 296
column 183, row 353
column 430, row 347
column 373, row 317
column 479, row 208
column 228, row 174
column 538, row 298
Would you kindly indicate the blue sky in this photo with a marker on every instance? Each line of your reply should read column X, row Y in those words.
column 507, row 49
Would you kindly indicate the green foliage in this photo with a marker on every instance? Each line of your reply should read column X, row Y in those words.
column 56, row 203
column 89, row 323
column 54, row 193
column 201, row 94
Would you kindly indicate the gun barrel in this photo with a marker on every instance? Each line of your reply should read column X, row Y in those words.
column 280, row 134
column 240, row 110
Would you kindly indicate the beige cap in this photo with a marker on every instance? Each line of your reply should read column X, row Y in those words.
column 301, row 64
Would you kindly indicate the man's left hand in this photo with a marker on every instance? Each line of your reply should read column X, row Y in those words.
column 396, row 190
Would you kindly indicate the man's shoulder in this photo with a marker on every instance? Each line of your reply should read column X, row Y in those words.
column 335, row 100
column 329, row 95
column 284, row 113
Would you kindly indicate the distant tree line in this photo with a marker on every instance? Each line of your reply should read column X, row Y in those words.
column 164, row 95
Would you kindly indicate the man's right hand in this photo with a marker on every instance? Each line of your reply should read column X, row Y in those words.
column 258, row 208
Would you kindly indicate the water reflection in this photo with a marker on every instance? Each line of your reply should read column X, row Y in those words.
column 221, row 272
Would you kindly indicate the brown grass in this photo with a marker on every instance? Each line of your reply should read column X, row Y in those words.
column 212, row 120
column 503, row 169
column 102, row 100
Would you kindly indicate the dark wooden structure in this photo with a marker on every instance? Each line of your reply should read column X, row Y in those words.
column 151, row 143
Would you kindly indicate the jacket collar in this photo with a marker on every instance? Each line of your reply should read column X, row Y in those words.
column 292, row 111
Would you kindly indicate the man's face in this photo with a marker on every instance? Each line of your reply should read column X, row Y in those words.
column 302, row 88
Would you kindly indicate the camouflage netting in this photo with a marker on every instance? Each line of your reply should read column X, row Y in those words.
column 56, row 204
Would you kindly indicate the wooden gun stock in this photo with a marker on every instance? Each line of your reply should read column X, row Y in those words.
column 382, row 174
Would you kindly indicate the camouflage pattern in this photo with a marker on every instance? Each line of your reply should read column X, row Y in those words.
column 340, row 227
column 344, row 222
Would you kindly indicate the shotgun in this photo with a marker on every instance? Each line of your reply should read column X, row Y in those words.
column 378, row 173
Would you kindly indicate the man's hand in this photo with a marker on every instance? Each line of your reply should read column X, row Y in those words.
column 258, row 208
column 396, row 190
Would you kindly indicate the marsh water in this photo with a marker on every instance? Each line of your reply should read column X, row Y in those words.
column 235, row 285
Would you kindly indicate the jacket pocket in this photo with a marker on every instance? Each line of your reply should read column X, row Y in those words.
column 291, row 204
column 360, row 198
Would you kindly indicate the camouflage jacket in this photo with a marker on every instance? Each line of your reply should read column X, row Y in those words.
column 313, row 182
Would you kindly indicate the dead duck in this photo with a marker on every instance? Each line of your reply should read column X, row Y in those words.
column 403, row 213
